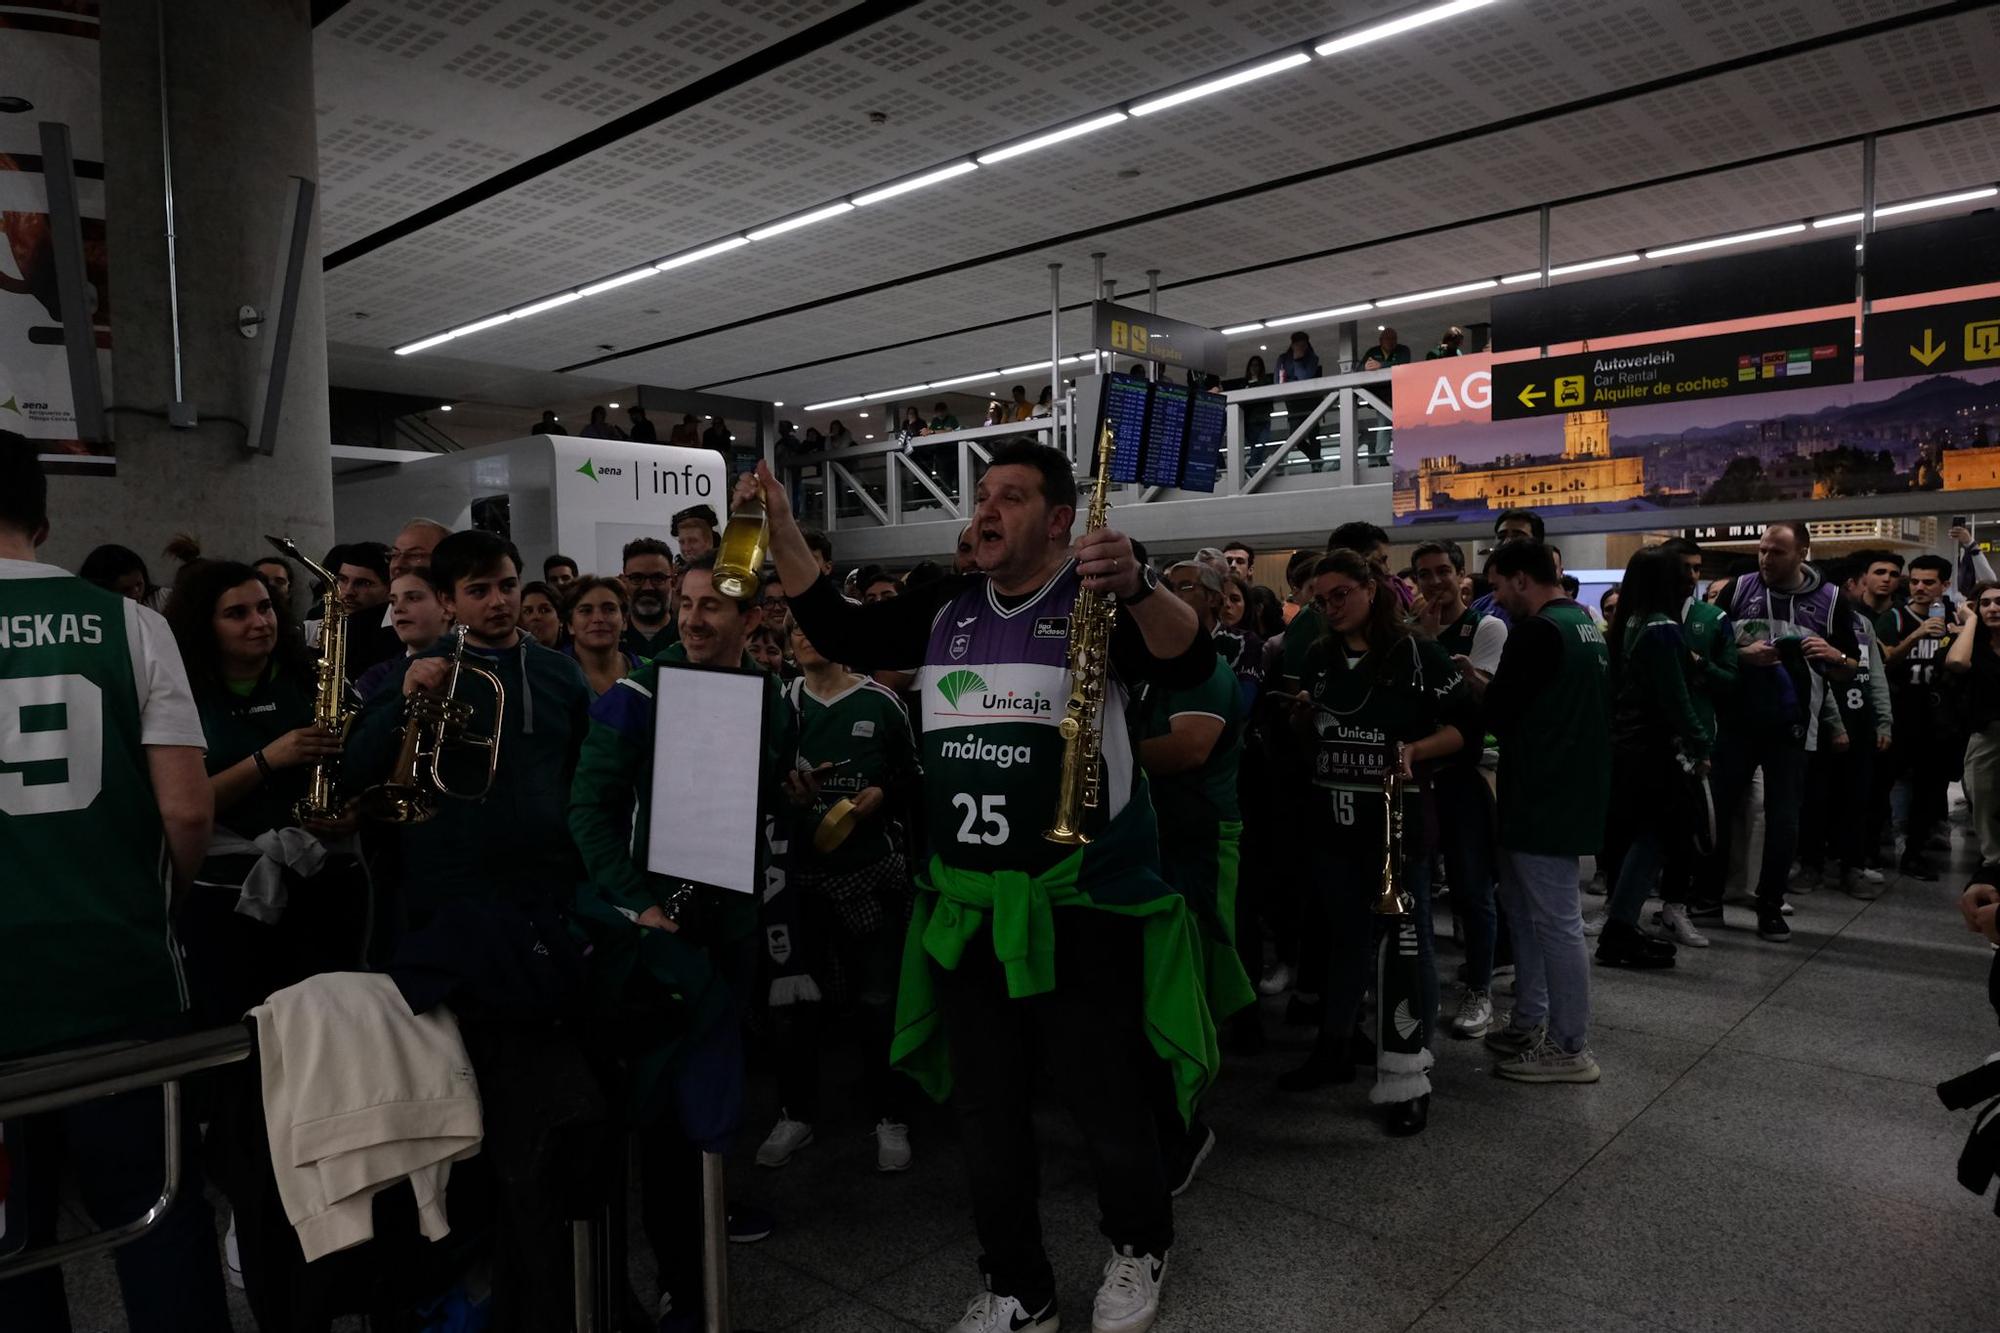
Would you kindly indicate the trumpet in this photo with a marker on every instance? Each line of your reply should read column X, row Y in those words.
column 1395, row 900
column 434, row 726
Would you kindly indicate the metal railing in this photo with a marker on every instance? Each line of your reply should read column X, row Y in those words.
column 1309, row 436
column 68, row 1078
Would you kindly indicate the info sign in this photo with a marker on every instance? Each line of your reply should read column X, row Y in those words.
column 1726, row 365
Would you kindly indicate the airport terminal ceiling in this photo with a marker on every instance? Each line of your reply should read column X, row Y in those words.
column 1403, row 165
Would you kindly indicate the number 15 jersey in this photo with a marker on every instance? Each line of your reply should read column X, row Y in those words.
column 88, row 679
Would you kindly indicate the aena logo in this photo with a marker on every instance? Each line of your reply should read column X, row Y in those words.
column 588, row 469
column 953, row 684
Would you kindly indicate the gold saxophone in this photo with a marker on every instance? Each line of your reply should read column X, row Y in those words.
column 330, row 707
column 1395, row 900
column 1082, row 727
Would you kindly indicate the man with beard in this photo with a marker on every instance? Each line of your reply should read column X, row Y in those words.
column 649, row 579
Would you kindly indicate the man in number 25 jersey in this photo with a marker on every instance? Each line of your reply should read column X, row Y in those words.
column 104, row 808
column 1018, row 943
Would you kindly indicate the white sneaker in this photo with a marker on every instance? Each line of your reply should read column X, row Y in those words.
column 1593, row 926
column 232, row 1260
column 1475, row 1015
column 786, row 1138
column 1003, row 1314
column 1673, row 919
column 892, row 1146
column 1871, row 875
column 1129, row 1299
column 1276, row 982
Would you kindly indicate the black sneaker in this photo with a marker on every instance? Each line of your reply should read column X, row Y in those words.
column 1186, row 1160
column 1706, row 913
column 1624, row 945
column 749, row 1224
column 1916, row 867
column 1772, row 926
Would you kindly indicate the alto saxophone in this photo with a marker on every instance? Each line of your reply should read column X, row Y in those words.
column 330, row 707
column 1082, row 726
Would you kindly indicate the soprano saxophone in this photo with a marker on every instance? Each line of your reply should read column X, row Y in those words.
column 330, row 707
column 1082, row 726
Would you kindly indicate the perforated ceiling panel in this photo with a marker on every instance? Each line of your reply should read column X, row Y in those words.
column 401, row 126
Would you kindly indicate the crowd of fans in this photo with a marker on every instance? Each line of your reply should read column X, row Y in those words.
column 1827, row 705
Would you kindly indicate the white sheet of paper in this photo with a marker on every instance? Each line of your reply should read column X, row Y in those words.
column 707, row 752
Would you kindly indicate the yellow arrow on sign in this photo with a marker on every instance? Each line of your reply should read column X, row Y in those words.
column 1932, row 349
column 1531, row 395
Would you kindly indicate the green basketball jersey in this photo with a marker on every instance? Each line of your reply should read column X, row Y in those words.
column 865, row 734
column 84, row 898
column 1190, row 804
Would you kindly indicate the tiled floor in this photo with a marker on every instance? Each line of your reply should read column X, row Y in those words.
column 1764, row 1153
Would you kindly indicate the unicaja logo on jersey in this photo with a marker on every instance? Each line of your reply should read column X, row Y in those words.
column 955, row 684
column 1000, row 756
column 1011, row 702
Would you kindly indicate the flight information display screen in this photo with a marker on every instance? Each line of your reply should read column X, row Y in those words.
column 1166, row 435
column 1207, row 421
column 1125, row 410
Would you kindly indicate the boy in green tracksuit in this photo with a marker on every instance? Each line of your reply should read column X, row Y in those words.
column 1694, row 885
column 514, row 845
column 675, row 960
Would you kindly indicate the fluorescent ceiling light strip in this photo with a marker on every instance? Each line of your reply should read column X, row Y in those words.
column 619, row 281
column 836, row 402
column 1235, row 329
column 891, row 393
column 965, row 379
column 1589, row 264
column 1513, row 278
column 706, row 252
column 1438, row 293
column 1239, row 78
column 1909, row 206
column 1717, row 242
column 914, row 183
column 1022, row 370
column 1053, row 136
column 425, row 344
column 1379, row 31
column 550, row 304
column 1314, row 316
column 1963, row 197
column 802, row 220
column 481, row 325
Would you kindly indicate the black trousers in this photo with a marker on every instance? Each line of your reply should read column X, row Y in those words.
column 1090, row 1030
column 1836, row 819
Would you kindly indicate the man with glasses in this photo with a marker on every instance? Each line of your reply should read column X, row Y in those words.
column 412, row 552
column 649, row 579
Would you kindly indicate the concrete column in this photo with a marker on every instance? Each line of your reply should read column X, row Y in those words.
column 240, row 93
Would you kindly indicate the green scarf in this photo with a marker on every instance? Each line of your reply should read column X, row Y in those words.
column 951, row 907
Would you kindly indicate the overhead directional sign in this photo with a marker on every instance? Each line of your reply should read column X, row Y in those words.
column 1725, row 365
column 1126, row 331
column 1931, row 339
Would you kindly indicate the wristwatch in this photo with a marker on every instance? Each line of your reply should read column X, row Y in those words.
column 1149, row 583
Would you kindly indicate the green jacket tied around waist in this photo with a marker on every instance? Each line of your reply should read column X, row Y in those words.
column 953, row 905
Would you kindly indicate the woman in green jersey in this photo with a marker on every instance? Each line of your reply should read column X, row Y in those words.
column 1373, row 697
